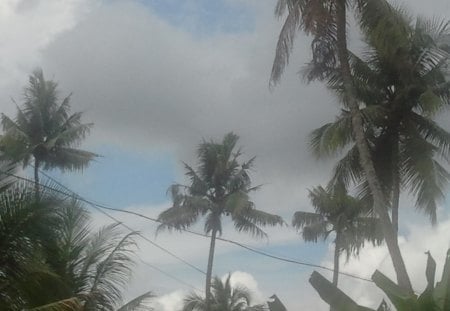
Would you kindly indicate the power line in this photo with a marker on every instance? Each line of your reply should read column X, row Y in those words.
column 249, row 248
column 169, row 275
column 99, row 208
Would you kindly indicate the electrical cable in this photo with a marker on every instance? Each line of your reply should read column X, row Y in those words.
column 99, row 208
column 249, row 248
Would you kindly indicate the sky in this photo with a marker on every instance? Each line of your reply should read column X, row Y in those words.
column 158, row 76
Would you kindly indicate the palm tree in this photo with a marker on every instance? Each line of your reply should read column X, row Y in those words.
column 219, row 187
column 224, row 298
column 93, row 268
column 25, row 227
column 50, row 259
column 45, row 131
column 400, row 105
column 326, row 21
column 339, row 213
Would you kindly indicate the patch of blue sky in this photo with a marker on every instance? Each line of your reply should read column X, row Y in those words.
column 205, row 17
column 299, row 251
column 122, row 178
column 273, row 271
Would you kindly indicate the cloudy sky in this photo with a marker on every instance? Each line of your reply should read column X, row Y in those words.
column 158, row 76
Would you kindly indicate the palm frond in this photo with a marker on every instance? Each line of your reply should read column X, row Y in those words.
column 198, row 186
column 315, row 231
column 286, row 38
column 331, row 138
column 138, row 303
column 302, row 219
column 194, row 302
column 99, row 245
column 68, row 159
column 425, row 177
column 12, row 128
column 184, row 215
column 386, row 27
column 70, row 304
column 433, row 133
column 348, row 169
column 263, row 218
column 112, row 275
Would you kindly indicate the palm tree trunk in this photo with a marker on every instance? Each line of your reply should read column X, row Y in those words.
column 336, row 261
column 336, row 264
column 379, row 202
column 395, row 185
column 36, row 178
column 209, row 269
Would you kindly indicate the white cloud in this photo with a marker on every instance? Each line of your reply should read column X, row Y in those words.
column 419, row 240
column 240, row 278
column 170, row 302
column 174, row 301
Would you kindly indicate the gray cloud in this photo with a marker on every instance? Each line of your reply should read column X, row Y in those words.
column 149, row 85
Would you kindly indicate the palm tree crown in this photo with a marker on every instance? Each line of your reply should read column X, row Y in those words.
column 224, row 298
column 94, row 267
column 219, row 187
column 338, row 212
column 45, row 130
column 50, row 259
column 401, row 102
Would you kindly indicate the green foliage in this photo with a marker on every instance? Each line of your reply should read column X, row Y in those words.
column 219, row 187
column 50, row 259
column 338, row 212
column 224, row 298
column 45, row 130
column 26, row 231
column 400, row 101
column 436, row 297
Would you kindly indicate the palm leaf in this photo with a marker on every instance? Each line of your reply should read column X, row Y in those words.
column 138, row 303
column 285, row 39
column 70, row 304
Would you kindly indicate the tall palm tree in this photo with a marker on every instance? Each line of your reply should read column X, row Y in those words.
column 326, row 21
column 224, row 298
column 401, row 102
column 345, row 216
column 219, row 187
column 45, row 131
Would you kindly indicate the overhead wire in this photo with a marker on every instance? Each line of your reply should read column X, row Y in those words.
column 73, row 195
column 170, row 275
column 247, row 247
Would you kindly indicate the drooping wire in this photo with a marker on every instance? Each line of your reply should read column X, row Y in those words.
column 73, row 195
column 247, row 247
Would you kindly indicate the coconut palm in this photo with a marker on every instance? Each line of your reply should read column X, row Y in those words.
column 401, row 102
column 25, row 227
column 219, row 187
column 326, row 22
column 44, row 130
column 339, row 213
column 50, row 259
column 93, row 268
column 224, row 298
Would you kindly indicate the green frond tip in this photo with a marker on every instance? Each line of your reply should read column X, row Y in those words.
column 140, row 303
column 70, row 304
